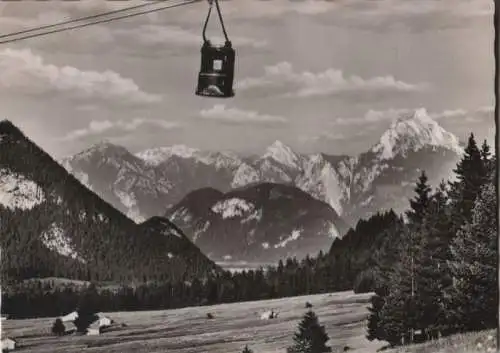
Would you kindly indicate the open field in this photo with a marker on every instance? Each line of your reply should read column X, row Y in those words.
column 188, row 330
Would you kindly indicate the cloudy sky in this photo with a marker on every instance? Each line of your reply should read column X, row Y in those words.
column 318, row 75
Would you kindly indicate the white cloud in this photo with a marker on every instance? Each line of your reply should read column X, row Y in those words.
column 26, row 72
column 322, row 137
column 477, row 115
column 327, row 82
column 423, row 7
column 259, row 9
column 220, row 112
column 234, row 10
column 372, row 116
column 155, row 34
column 375, row 116
column 98, row 127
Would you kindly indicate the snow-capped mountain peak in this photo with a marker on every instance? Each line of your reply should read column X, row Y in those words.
column 282, row 153
column 155, row 156
column 104, row 148
column 411, row 132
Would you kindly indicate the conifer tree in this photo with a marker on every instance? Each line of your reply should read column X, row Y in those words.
column 474, row 265
column 87, row 307
column 375, row 329
column 487, row 159
column 485, row 151
column 419, row 205
column 58, row 327
column 398, row 317
column 471, row 174
column 311, row 336
column 432, row 273
column 247, row 350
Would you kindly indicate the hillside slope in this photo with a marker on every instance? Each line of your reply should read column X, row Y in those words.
column 52, row 225
column 261, row 222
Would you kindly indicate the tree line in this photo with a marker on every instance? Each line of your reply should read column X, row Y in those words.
column 443, row 279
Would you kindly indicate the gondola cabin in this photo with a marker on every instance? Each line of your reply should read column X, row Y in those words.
column 217, row 71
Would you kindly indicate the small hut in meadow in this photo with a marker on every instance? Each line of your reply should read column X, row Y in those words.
column 69, row 328
column 69, row 317
column 271, row 314
column 103, row 321
column 8, row 344
column 94, row 329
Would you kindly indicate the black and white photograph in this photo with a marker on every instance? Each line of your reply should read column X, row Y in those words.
column 256, row 176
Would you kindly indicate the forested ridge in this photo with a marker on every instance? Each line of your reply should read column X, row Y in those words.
column 433, row 269
column 103, row 244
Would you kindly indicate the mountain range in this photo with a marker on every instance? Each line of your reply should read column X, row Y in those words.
column 53, row 226
column 162, row 181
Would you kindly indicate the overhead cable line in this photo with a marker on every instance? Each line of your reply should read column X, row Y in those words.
column 87, row 24
column 80, row 19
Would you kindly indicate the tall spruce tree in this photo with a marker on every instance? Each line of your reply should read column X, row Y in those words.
column 429, row 285
column 395, row 314
column 375, row 329
column 471, row 174
column 311, row 336
column 417, row 250
column 433, row 274
column 399, row 314
column 473, row 297
column 420, row 203
column 488, row 161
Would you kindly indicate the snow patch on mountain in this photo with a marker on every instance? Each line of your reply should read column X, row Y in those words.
column 244, row 175
column 81, row 176
column 168, row 229
column 199, row 232
column 294, row 236
column 174, row 232
column 367, row 175
column 370, row 198
column 333, row 231
column 282, row 154
column 155, row 156
column 18, row 192
column 182, row 214
column 255, row 216
column 411, row 133
column 273, row 173
column 129, row 201
column 55, row 239
column 320, row 179
column 234, row 207
column 104, row 148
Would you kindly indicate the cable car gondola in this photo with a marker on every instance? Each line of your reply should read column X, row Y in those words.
column 216, row 75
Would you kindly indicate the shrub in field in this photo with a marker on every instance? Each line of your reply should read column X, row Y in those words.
column 58, row 328
column 310, row 337
column 247, row 350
